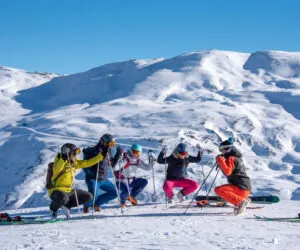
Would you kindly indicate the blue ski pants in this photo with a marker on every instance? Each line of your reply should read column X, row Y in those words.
column 105, row 185
column 135, row 187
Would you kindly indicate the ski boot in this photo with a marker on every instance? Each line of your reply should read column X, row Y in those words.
column 238, row 209
column 66, row 211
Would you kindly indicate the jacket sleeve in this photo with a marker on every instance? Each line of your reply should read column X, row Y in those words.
column 161, row 158
column 226, row 167
column 89, row 162
column 196, row 159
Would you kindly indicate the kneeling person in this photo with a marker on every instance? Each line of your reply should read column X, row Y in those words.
column 239, row 187
column 60, row 190
column 128, row 184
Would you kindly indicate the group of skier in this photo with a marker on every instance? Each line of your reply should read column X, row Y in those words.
column 98, row 161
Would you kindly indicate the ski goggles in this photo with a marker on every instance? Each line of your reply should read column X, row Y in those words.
column 135, row 153
column 225, row 147
column 111, row 144
column 183, row 154
column 76, row 151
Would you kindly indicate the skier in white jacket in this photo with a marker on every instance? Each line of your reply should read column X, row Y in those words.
column 125, row 171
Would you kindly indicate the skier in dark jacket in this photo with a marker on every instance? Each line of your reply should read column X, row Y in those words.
column 177, row 171
column 239, row 187
column 99, row 172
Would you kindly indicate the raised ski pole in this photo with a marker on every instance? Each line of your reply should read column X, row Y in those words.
column 115, row 183
column 154, row 197
column 74, row 186
column 95, row 189
column 199, row 189
column 166, row 198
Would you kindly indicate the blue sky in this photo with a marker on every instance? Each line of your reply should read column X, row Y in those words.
column 65, row 36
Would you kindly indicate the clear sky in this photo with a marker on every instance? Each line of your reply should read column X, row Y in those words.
column 69, row 36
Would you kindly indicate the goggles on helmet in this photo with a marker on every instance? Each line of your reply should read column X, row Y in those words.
column 75, row 151
column 183, row 154
column 225, row 147
column 135, row 153
column 111, row 144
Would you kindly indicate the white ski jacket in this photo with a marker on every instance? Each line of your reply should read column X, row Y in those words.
column 128, row 165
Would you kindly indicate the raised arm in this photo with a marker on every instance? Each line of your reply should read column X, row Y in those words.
column 226, row 167
column 161, row 159
column 89, row 162
column 196, row 159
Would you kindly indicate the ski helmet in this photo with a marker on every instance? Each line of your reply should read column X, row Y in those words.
column 107, row 139
column 69, row 148
column 226, row 145
column 136, row 150
column 181, row 148
column 136, row 147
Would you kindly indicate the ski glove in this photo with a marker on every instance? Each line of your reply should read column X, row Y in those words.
column 120, row 150
column 164, row 149
column 152, row 159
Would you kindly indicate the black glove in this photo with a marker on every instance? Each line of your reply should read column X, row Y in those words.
column 120, row 151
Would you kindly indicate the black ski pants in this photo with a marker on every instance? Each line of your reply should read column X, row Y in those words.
column 60, row 198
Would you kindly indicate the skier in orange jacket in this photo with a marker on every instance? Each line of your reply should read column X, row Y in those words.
column 239, row 187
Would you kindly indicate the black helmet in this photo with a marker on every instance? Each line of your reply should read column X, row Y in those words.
column 107, row 140
column 226, row 145
column 69, row 148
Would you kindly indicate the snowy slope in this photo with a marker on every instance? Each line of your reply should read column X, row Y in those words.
column 196, row 97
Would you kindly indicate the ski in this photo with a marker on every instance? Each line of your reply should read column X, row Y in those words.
column 27, row 221
column 254, row 199
column 212, row 206
column 279, row 219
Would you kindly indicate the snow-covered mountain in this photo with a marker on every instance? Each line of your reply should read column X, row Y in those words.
column 200, row 97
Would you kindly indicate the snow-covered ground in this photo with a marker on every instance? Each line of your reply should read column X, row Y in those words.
column 157, row 227
column 200, row 97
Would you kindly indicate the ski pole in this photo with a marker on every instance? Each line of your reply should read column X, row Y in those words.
column 95, row 189
column 212, row 183
column 127, row 183
column 74, row 186
column 165, row 154
column 204, row 179
column 207, row 194
column 153, row 178
column 115, row 183
column 199, row 189
column 151, row 160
